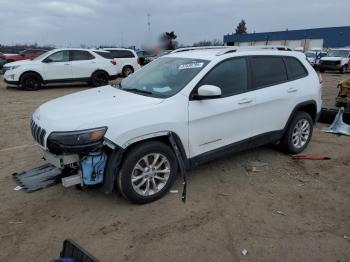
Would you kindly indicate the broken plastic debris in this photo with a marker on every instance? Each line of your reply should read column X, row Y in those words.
column 16, row 222
column 346, row 237
column 338, row 126
column 256, row 166
column 244, row 252
column 280, row 212
column 17, row 188
column 174, row 191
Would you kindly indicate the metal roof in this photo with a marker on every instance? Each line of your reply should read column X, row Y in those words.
column 333, row 36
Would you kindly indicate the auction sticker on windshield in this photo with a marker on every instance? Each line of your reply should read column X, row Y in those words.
column 191, row 65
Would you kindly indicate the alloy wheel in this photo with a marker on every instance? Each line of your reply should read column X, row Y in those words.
column 301, row 133
column 150, row 174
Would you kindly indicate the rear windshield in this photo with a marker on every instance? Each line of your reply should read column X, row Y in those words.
column 106, row 55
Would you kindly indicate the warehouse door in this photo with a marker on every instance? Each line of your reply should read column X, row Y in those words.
column 292, row 44
column 315, row 43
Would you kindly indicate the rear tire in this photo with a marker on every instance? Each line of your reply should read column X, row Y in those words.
column 147, row 173
column 99, row 78
column 298, row 133
column 343, row 69
column 30, row 82
column 127, row 70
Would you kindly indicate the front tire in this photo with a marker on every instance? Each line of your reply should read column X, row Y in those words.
column 147, row 173
column 343, row 69
column 31, row 82
column 298, row 133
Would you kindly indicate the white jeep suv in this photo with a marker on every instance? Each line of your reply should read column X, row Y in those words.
column 62, row 65
column 179, row 111
column 127, row 60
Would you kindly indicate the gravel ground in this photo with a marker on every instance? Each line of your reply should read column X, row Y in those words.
column 289, row 211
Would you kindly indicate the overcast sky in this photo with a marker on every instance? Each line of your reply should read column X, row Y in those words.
column 109, row 22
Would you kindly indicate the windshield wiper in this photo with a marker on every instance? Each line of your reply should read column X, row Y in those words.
column 138, row 91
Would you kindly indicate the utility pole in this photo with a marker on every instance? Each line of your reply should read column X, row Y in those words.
column 122, row 39
column 149, row 28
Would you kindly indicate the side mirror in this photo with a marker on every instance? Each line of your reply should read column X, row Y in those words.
column 207, row 92
column 47, row 60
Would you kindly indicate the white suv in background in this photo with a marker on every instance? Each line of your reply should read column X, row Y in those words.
column 62, row 65
column 336, row 60
column 181, row 110
column 127, row 60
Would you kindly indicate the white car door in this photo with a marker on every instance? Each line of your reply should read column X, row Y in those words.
column 225, row 121
column 83, row 64
column 57, row 66
column 276, row 93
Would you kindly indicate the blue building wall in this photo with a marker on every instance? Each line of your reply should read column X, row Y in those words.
column 333, row 36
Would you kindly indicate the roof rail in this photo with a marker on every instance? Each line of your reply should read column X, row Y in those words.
column 231, row 49
column 196, row 48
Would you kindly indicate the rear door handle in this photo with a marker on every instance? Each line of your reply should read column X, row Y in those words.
column 292, row 90
column 245, row 101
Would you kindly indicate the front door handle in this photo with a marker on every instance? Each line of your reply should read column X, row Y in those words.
column 245, row 101
column 292, row 90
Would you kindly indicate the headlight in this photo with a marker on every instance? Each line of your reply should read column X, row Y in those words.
column 11, row 67
column 76, row 138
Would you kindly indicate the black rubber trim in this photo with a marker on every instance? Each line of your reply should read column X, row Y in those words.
column 112, row 169
column 11, row 82
column 256, row 141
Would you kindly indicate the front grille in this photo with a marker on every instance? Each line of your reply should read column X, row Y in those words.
column 330, row 63
column 37, row 132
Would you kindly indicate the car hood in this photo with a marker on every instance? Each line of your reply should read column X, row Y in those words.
column 23, row 62
column 91, row 108
column 331, row 58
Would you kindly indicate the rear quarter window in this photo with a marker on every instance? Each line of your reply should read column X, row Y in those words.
column 295, row 68
column 268, row 70
column 106, row 55
column 121, row 53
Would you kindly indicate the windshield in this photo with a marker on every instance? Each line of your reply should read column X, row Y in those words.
column 310, row 54
column 338, row 53
column 164, row 76
column 43, row 55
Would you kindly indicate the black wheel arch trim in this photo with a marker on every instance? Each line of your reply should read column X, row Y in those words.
column 115, row 159
column 297, row 108
column 30, row 72
column 99, row 70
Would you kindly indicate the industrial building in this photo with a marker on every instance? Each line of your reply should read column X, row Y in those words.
column 307, row 39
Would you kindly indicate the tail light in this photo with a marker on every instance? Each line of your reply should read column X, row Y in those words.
column 138, row 61
column 320, row 78
column 113, row 62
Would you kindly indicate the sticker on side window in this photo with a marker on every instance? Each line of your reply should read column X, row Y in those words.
column 191, row 65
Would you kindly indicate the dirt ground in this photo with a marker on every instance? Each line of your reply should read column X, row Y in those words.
column 290, row 211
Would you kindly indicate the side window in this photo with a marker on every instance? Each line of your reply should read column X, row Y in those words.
column 294, row 68
column 121, row 53
column 60, row 56
column 231, row 76
column 268, row 70
column 79, row 55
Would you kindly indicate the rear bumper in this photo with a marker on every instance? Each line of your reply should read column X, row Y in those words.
column 112, row 77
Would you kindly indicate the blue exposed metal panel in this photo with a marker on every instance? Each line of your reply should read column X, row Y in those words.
column 333, row 36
